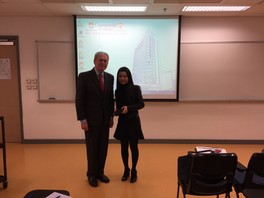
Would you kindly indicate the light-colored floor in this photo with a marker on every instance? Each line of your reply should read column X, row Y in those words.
column 63, row 166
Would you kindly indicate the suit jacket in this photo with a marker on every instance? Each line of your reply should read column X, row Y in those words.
column 134, row 101
column 91, row 102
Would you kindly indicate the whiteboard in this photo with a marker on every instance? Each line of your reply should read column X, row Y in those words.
column 56, row 71
column 222, row 71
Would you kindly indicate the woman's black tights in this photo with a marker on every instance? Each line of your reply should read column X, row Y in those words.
column 134, row 151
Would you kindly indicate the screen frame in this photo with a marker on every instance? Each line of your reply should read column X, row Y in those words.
column 176, row 99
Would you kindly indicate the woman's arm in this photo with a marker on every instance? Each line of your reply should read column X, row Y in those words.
column 138, row 102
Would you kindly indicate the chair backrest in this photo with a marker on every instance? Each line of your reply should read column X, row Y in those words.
column 212, row 174
column 254, row 177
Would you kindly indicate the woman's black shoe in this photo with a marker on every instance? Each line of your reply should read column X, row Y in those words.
column 125, row 175
column 133, row 178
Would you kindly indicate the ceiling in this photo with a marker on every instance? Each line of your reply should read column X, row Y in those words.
column 155, row 7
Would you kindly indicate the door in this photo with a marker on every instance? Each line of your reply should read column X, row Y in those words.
column 10, row 91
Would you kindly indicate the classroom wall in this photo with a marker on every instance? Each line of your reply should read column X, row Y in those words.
column 186, row 119
column 222, row 59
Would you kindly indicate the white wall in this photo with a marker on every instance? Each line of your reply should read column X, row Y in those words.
column 222, row 59
column 160, row 120
column 41, row 120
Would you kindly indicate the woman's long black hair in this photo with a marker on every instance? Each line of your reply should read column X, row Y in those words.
column 129, row 75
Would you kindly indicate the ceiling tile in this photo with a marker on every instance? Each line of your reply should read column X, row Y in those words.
column 187, row 1
column 130, row 1
column 64, row 8
column 20, row 1
column 75, row 1
column 23, row 9
column 165, row 9
column 241, row 2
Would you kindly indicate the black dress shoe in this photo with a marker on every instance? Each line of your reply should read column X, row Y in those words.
column 93, row 181
column 125, row 175
column 133, row 178
column 103, row 178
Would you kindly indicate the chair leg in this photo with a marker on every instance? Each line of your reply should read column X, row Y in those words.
column 178, row 189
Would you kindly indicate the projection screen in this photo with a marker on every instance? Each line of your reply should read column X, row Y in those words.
column 147, row 46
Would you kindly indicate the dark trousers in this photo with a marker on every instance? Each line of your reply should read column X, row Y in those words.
column 96, row 139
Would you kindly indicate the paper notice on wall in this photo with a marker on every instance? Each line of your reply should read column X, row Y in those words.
column 5, row 69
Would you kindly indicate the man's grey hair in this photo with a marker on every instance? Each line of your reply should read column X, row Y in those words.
column 99, row 53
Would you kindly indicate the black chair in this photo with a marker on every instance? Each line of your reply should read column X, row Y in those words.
column 250, row 178
column 43, row 193
column 206, row 174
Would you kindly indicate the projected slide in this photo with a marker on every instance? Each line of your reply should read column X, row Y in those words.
column 148, row 47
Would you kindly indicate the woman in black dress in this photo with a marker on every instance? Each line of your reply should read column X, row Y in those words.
column 128, row 101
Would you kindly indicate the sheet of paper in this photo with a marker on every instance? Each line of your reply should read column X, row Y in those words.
column 215, row 150
column 57, row 195
column 5, row 68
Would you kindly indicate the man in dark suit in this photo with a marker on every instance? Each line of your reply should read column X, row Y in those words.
column 94, row 106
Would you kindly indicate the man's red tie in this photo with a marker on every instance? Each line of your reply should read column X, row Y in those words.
column 101, row 82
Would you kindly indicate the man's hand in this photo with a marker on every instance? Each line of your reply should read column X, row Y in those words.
column 84, row 125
